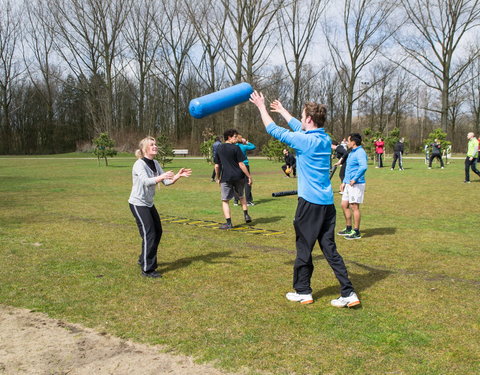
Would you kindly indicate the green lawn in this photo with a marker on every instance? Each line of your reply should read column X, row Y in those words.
column 69, row 245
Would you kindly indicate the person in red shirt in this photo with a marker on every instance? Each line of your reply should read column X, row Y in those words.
column 379, row 150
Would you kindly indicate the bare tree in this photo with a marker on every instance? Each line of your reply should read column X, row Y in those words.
column 209, row 20
column 456, row 102
column 440, row 27
column 298, row 21
column 366, row 28
column 473, row 93
column 89, row 31
column 10, row 70
column 245, row 49
column 143, row 45
column 385, row 103
column 38, row 57
column 177, row 36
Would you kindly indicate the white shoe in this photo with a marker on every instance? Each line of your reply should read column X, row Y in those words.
column 350, row 301
column 304, row 299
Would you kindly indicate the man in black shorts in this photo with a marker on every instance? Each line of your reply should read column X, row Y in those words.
column 229, row 160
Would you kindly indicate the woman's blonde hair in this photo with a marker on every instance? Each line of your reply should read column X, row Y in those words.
column 142, row 145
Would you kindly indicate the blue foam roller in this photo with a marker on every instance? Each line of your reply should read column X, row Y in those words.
column 219, row 100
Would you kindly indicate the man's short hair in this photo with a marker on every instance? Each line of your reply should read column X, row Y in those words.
column 229, row 133
column 335, row 143
column 357, row 138
column 317, row 112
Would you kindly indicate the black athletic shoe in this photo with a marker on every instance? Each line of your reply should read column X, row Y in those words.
column 152, row 274
column 226, row 226
column 248, row 219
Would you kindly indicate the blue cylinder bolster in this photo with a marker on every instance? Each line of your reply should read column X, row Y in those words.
column 219, row 100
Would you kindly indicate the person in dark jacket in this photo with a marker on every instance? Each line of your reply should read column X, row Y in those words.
column 398, row 154
column 341, row 153
column 215, row 145
column 436, row 153
column 290, row 165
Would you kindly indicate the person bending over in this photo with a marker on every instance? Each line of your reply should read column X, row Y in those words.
column 436, row 153
column 290, row 165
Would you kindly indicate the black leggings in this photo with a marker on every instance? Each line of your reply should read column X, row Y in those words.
column 433, row 156
column 150, row 229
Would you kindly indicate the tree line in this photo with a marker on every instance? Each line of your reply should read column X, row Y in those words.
column 73, row 69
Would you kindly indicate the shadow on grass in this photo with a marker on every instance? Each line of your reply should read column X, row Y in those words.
column 210, row 258
column 264, row 220
column 378, row 232
column 360, row 281
column 264, row 200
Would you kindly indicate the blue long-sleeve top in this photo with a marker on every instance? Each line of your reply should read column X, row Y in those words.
column 313, row 149
column 356, row 166
column 246, row 147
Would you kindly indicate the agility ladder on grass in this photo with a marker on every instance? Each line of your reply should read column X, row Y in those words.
column 214, row 225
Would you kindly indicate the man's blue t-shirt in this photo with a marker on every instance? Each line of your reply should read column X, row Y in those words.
column 356, row 166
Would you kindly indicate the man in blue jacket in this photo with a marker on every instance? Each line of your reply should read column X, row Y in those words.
column 354, row 187
column 315, row 215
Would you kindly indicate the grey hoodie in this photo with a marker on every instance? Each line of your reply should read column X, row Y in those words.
column 143, row 188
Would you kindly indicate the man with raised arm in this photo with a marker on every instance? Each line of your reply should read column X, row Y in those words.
column 315, row 214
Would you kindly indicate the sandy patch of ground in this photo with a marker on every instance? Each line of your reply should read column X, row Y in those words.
column 32, row 343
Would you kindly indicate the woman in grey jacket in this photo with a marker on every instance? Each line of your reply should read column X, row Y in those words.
column 146, row 174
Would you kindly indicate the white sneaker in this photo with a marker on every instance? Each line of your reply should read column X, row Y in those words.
column 304, row 299
column 350, row 301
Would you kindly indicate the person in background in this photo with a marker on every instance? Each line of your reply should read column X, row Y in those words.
column 244, row 147
column 472, row 154
column 215, row 145
column 398, row 154
column 379, row 150
column 341, row 153
column 436, row 153
column 354, row 190
column 146, row 174
column 230, row 174
column 290, row 165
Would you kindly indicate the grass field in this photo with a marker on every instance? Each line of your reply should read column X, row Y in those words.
column 69, row 245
